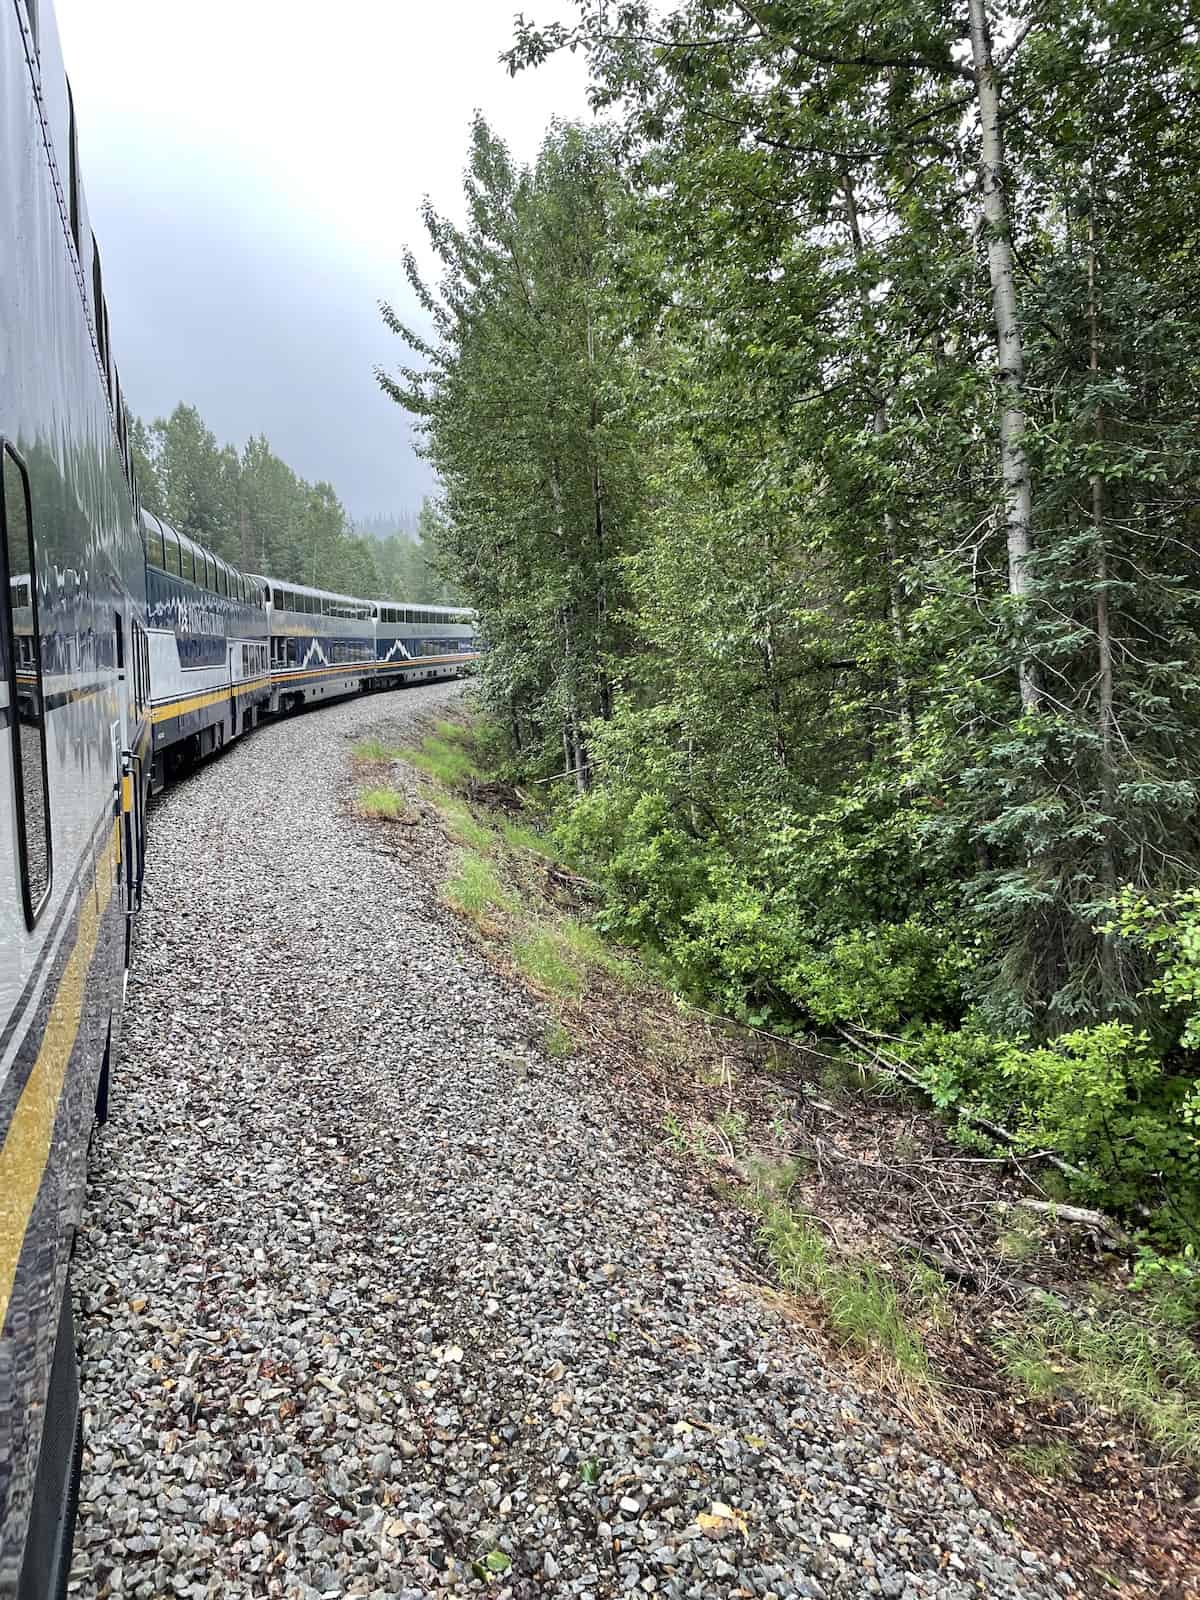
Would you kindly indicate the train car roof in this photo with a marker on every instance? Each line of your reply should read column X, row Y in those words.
column 150, row 519
column 425, row 605
column 303, row 588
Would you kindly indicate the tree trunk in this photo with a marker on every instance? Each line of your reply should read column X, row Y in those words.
column 1104, row 641
column 879, row 424
column 603, row 685
column 573, row 746
column 1010, row 353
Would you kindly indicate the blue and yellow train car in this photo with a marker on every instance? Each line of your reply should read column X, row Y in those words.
column 418, row 642
column 74, row 737
column 208, row 638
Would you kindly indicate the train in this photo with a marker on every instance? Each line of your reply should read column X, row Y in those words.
column 127, row 652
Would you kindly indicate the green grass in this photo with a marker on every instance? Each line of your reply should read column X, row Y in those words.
column 797, row 1249
column 1019, row 1242
column 518, row 837
column 582, row 940
column 464, row 827
column 558, row 1042
column 1143, row 1370
column 544, row 961
column 476, row 888
column 772, row 1181
column 440, row 761
column 382, row 803
column 373, row 750
column 733, row 1125
column 864, row 1309
column 861, row 1301
column 929, row 1291
column 453, row 732
column 1054, row 1460
column 690, row 1140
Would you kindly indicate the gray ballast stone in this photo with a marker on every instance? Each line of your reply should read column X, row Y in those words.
column 375, row 1301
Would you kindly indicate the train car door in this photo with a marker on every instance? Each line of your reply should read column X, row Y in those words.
column 129, row 806
column 233, row 664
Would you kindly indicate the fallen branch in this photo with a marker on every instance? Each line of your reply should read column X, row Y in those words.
column 883, row 1068
column 1084, row 1215
column 957, row 1271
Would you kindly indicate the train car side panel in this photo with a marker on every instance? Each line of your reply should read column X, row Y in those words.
column 70, row 602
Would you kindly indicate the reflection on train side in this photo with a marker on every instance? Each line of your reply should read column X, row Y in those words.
column 29, row 725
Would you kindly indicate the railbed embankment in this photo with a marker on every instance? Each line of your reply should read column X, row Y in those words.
column 378, row 1299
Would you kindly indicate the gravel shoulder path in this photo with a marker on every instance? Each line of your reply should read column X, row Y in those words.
column 377, row 1300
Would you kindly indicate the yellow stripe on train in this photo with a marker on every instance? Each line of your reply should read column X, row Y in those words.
column 26, row 1148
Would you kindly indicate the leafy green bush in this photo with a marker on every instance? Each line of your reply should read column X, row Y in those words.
column 1170, row 932
column 767, row 966
column 1099, row 1096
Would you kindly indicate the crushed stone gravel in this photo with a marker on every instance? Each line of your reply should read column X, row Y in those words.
column 377, row 1300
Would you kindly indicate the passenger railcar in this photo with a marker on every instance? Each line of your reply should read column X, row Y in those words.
column 74, row 733
column 322, row 644
column 415, row 642
column 208, row 639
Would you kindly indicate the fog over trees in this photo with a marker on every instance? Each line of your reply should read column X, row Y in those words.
column 252, row 509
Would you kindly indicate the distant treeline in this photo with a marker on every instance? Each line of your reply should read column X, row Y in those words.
column 250, row 507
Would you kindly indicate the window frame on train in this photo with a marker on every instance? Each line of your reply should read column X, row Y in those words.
column 14, row 471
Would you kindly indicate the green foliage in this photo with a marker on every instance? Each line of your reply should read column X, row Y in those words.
column 1100, row 1096
column 252, row 509
column 1138, row 1367
column 547, row 964
column 476, row 889
column 1170, row 933
column 385, row 803
column 715, row 402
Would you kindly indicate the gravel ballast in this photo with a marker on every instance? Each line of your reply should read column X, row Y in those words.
column 376, row 1300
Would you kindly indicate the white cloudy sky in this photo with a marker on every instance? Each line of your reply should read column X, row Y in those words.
column 253, row 170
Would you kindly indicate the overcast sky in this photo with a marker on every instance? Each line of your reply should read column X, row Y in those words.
column 253, row 170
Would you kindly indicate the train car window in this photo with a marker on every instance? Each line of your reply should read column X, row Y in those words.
column 137, row 639
column 19, row 573
column 98, row 302
column 155, row 553
column 73, row 162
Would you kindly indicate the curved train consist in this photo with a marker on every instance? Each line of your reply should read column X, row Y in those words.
column 126, row 649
